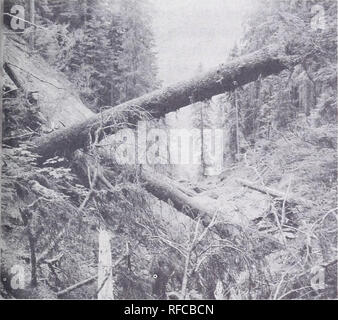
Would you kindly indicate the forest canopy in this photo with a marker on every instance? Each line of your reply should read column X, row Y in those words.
column 262, row 225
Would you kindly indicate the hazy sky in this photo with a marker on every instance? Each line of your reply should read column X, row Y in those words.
column 193, row 32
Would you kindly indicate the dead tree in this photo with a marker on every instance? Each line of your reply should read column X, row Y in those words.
column 226, row 77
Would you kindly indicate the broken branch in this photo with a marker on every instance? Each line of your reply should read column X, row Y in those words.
column 271, row 192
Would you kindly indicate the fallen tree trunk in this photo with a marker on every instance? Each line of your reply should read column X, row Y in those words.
column 75, row 286
column 163, row 189
column 271, row 192
column 226, row 77
column 86, row 281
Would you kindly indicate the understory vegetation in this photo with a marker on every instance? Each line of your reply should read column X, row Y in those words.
column 282, row 135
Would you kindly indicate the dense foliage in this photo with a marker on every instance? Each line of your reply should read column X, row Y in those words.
column 310, row 88
column 287, row 131
column 281, row 133
column 106, row 48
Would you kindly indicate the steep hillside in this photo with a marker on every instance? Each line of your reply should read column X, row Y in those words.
column 54, row 95
column 260, row 224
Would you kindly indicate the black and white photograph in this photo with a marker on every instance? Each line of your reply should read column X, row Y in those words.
column 168, row 150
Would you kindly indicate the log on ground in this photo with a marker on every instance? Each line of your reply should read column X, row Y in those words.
column 226, row 77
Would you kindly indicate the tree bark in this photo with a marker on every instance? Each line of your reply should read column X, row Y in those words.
column 226, row 77
column 32, row 20
column 105, row 276
column 167, row 190
column 164, row 189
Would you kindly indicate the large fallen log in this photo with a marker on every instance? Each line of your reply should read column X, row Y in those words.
column 226, row 77
column 167, row 190
column 162, row 188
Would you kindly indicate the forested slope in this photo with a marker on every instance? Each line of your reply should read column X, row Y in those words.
column 265, row 228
